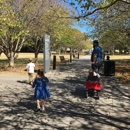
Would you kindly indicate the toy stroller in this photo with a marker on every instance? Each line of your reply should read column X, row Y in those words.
column 93, row 85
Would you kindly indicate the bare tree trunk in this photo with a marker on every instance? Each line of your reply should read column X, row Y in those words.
column 59, row 51
column 11, row 62
column 11, row 59
column 38, row 44
column 36, row 57
column 112, row 50
column 11, row 50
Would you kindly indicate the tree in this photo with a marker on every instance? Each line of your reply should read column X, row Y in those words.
column 112, row 27
column 50, row 23
column 16, row 19
column 89, row 7
column 12, row 33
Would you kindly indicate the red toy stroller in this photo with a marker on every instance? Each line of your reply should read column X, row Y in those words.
column 93, row 86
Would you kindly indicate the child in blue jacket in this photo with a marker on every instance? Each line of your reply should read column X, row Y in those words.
column 41, row 90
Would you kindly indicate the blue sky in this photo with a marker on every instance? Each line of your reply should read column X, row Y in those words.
column 85, row 28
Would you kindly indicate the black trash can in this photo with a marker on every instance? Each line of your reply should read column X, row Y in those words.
column 109, row 68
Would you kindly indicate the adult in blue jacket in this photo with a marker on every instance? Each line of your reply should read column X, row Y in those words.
column 96, row 56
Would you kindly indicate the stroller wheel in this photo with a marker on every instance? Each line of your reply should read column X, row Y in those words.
column 86, row 94
column 96, row 95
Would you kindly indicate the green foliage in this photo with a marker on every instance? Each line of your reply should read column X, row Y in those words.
column 112, row 27
column 85, row 8
column 25, row 23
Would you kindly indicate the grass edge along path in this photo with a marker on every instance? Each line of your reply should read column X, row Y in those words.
column 122, row 67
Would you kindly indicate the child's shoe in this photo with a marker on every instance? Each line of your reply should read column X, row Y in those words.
column 43, row 109
column 37, row 109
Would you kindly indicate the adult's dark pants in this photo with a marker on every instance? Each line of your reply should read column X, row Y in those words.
column 96, row 67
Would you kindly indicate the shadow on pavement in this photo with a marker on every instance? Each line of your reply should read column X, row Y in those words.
column 67, row 108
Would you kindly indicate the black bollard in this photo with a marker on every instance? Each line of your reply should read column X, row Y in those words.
column 108, row 58
column 70, row 57
column 54, row 62
column 78, row 55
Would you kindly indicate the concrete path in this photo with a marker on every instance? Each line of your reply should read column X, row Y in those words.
column 67, row 109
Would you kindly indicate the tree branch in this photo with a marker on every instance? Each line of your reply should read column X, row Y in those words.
column 97, row 9
column 125, row 1
column 105, row 7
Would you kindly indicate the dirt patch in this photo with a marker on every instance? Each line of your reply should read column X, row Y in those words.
column 123, row 72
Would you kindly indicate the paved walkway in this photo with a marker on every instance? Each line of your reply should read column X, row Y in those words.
column 67, row 109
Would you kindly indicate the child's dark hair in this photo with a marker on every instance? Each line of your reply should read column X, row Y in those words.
column 40, row 73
